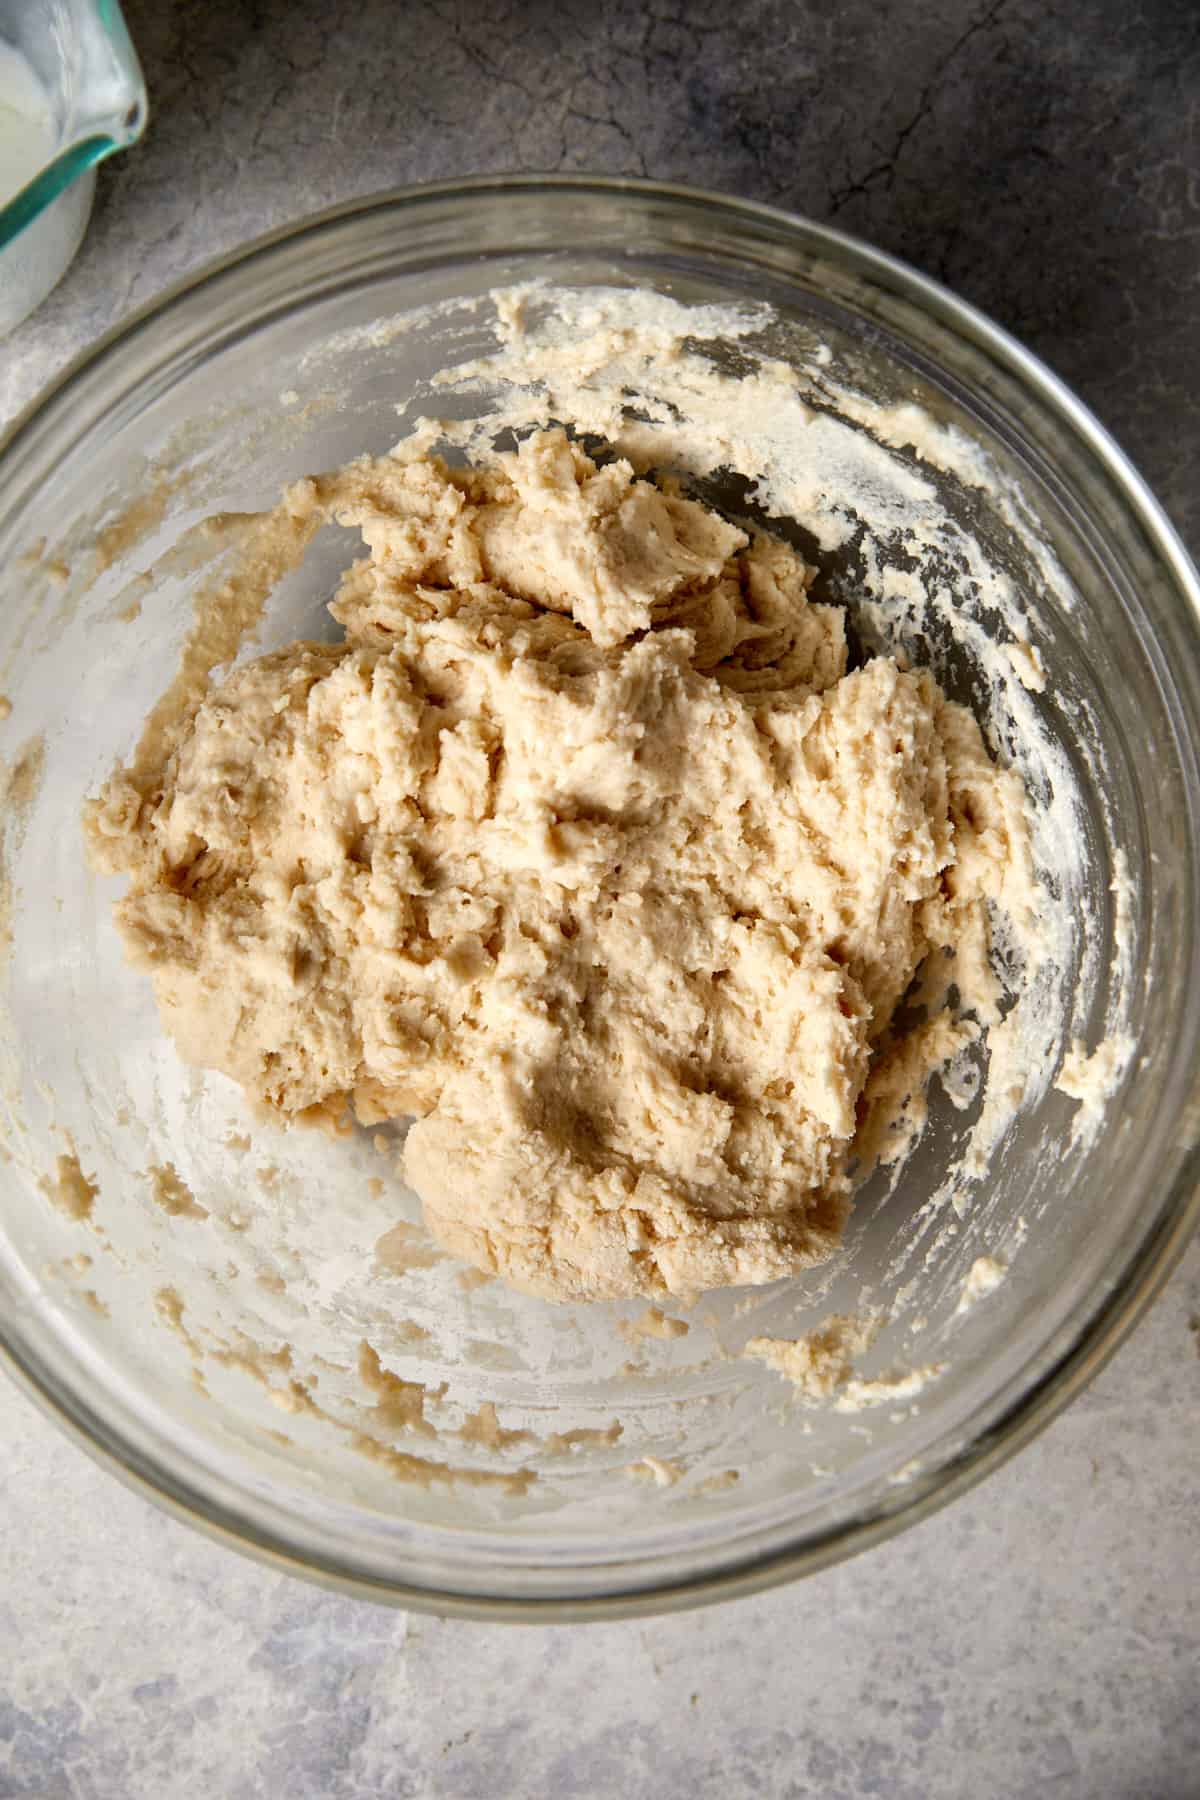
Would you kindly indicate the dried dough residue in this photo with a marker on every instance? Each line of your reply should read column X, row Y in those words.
column 483, row 1427
column 820, row 1365
column 718, row 1483
column 583, row 1437
column 24, row 779
column 398, row 1404
column 1093, row 1079
column 19, row 785
column 169, row 1191
column 653, row 1323
column 408, row 1332
column 822, row 1361
column 657, row 1469
column 405, row 1247
column 70, row 1190
column 395, row 1404
column 983, row 1278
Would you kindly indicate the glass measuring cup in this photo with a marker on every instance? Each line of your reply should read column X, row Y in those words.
column 71, row 92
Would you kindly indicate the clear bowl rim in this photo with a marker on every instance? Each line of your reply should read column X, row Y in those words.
column 1103, row 1329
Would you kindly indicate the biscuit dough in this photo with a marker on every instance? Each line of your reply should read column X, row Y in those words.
column 585, row 850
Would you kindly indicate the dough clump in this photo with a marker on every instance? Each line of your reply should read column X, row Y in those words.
column 583, row 849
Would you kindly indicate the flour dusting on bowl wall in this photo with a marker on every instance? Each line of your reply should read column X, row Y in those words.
column 256, row 1320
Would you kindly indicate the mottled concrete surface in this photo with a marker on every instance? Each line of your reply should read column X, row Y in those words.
column 1042, row 1636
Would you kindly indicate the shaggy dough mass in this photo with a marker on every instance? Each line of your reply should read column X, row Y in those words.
column 582, row 848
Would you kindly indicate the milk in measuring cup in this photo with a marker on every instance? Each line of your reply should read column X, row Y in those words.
column 26, row 125
column 32, row 259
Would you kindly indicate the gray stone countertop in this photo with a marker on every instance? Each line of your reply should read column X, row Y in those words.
column 1041, row 1636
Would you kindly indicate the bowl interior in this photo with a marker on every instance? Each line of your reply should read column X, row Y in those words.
column 217, row 1347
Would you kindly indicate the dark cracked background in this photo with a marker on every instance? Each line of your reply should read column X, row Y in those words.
column 1042, row 160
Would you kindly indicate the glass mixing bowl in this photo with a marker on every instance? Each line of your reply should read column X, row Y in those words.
column 560, row 1462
